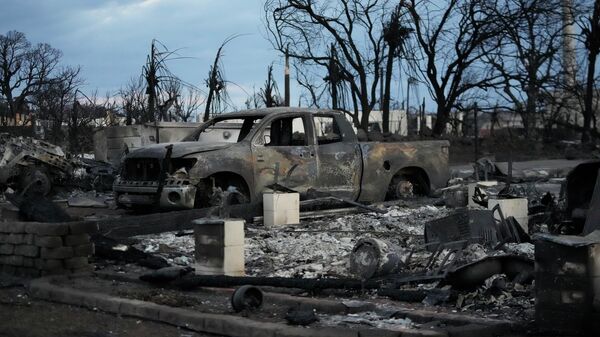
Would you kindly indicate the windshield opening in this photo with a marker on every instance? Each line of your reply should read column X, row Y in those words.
column 225, row 130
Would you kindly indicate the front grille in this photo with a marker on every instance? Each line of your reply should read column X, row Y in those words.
column 141, row 169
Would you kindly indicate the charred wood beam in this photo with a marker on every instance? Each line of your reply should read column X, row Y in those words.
column 168, row 221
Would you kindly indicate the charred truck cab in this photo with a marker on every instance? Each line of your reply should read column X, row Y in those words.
column 242, row 153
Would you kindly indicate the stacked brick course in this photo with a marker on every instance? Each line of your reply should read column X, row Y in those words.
column 33, row 249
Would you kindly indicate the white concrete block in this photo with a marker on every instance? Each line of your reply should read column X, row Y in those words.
column 228, row 260
column 517, row 208
column 234, row 233
column 281, row 208
column 276, row 200
column 219, row 247
column 594, row 272
column 229, row 233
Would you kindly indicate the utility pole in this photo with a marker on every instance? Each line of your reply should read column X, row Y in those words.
column 476, row 130
column 287, row 77
column 423, row 122
column 385, row 118
column 333, row 78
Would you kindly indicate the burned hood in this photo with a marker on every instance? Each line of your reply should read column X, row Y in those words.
column 180, row 149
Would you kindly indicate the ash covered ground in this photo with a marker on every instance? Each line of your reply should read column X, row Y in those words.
column 321, row 247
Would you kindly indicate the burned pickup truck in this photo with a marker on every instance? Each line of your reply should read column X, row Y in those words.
column 294, row 148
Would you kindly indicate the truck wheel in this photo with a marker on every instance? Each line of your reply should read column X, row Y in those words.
column 400, row 188
column 407, row 186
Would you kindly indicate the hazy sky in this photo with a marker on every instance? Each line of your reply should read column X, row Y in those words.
column 110, row 39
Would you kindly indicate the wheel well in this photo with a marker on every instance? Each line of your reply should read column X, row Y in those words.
column 226, row 179
column 417, row 176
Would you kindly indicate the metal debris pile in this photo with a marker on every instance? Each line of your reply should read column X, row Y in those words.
column 36, row 166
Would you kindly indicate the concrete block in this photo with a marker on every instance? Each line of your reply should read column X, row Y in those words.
column 28, row 239
column 594, row 260
column 281, row 208
column 12, row 227
column 11, row 260
column 15, row 239
column 57, row 253
column 3, row 237
column 517, row 208
column 50, row 229
column 76, row 239
column 27, row 272
column 215, row 260
column 6, row 249
column 28, row 262
column 83, row 250
column 48, row 264
column 8, row 269
column 229, row 233
column 279, row 218
column 27, row 250
column 48, row 241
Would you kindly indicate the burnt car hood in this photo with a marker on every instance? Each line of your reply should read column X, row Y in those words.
column 180, row 149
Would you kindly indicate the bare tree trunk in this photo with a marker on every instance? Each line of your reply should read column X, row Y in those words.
column 441, row 120
column 389, row 68
column 589, row 98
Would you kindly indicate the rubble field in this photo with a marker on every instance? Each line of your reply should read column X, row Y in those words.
column 320, row 248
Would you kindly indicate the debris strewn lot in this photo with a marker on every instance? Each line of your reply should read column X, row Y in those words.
column 321, row 248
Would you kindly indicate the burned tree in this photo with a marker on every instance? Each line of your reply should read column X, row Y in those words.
column 270, row 93
column 525, row 54
column 307, row 29
column 451, row 38
column 24, row 69
column 158, row 78
column 394, row 34
column 133, row 100
column 217, row 93
column 53, row 100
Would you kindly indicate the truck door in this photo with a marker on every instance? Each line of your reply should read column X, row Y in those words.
column 339, row 158
column 284, row 153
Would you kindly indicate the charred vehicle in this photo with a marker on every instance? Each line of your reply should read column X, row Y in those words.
column 31, row 164
column 299, row 149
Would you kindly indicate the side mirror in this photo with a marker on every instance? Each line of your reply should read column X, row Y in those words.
column 266, row 139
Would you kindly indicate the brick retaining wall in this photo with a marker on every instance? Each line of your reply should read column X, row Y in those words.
column 34, row 249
